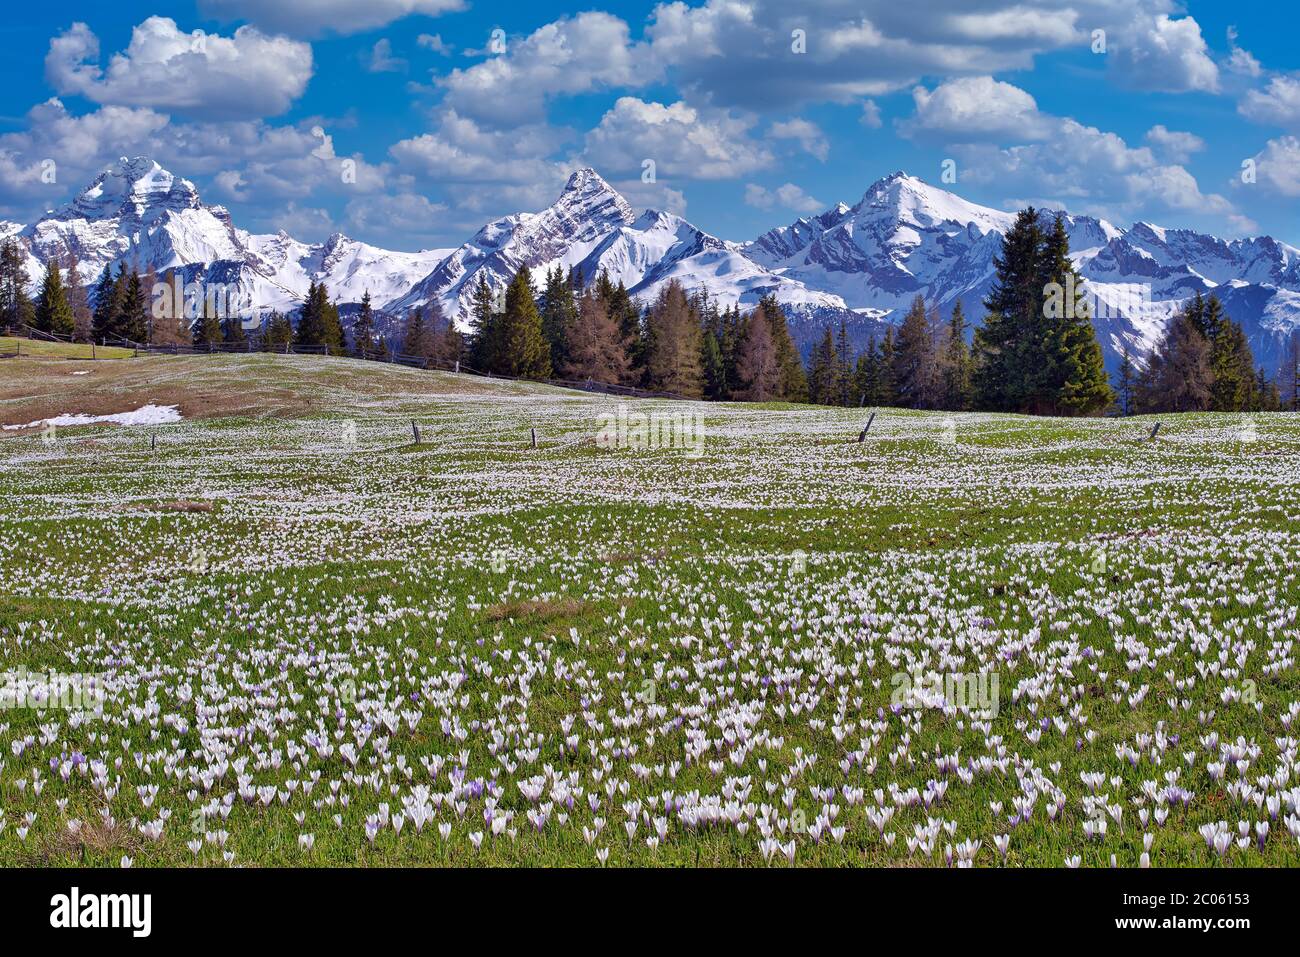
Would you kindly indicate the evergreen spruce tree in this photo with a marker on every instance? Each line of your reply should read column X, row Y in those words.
column 232, row 332
column 955, row 363
column 1124, row 383
column 823, row 372
column 1289, row 375
column 715, row 373
column 16, row 307
column 867, row 374
column 559, row 315
column 279, row 332
column 53, row 314
column 363, row 328
column 485, row 329
column 913, row 361
column 108, row 298
column 132, row 321
column 207, row 328
column 887, row 390
column 416, row 337
column 524, row 350
column 1005, row 344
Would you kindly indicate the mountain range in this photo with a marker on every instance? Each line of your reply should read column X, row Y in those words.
column 862, row 263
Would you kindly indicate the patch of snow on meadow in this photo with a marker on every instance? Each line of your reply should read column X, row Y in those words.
column 145, row 415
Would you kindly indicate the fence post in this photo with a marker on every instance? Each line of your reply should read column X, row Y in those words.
column 862, row 436
column 534, row 432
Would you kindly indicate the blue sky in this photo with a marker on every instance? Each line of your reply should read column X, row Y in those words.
column 266, row 105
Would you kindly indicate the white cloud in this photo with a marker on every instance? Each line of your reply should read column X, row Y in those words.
column 1175, row 146
column 395, row 217
column 590, row 51
column 790, row 196
column 683, row 141
column 870, row 115
column 434, row 42
column 1240, row 61
column 975, row 108
column 1279, row 166
column 809, row 136
column 382, row 59
column 316, row 17
column 204, row 75
column 1165, row 55
column 1277, row 105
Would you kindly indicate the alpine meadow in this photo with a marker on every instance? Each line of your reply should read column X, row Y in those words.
column 395, row 474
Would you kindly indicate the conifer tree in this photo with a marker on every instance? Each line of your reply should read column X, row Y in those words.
column 1124, row 382
column 416, row 336
column 1289, row 375
column 794, row 381
column 132, row 320
column 955, row 363
column 78, row 301
column 485, row 328
column 279, row 332
column 672, row 344
column 363, row 328
column 1178, row 377
column 524, row 351
column 16, row 307
column 53, row 314
column 759, row 373
column 559, row 315
column 207, row 328
column 887, row 390
column 913, row 363
column 108, row 297
column 596, row 350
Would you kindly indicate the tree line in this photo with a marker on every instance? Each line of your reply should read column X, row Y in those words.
column 1036, row 352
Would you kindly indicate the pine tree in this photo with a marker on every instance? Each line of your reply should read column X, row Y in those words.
column 108, row 295
column 232, row 331
column 823, row 372
column 913, row 362
column 1289, row 374
column 485, row 329
column 524, row 350
column 16, row 307
column 672, row 344
column 1124, row 383
column 416, row 337
column 1005, row 344
column 715, row 373
column 596, row 350
column 1268, row 397
column 794, row 382
column 955, row 363
column 53, row 314
column 132, row 320
column 867, row 374
column 363, row 329
column 279, row 332
column 559, row 315
column 759, row 373
column 1232, row 366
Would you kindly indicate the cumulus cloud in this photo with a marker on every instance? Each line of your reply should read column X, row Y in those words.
column 309, row 18
column 1278, row 104
column 870, row 117
column 590, row 51
column 975, row 108
column 196, row 74
column 682, row 140
column 1166, row 55
column 1279, row 166
column 808, row 135
column 1175, row 146
column 789, row 196
column 1240, row 61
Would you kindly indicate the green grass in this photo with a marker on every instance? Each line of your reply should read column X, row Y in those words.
column 37, row 348
column 724, row 633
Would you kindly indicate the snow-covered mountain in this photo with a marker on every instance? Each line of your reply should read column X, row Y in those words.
column 138, row 214
column 862, row 263
column 591, row 228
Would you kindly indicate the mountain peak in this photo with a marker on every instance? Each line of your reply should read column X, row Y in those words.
column 587, row 195
column 130, row 186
